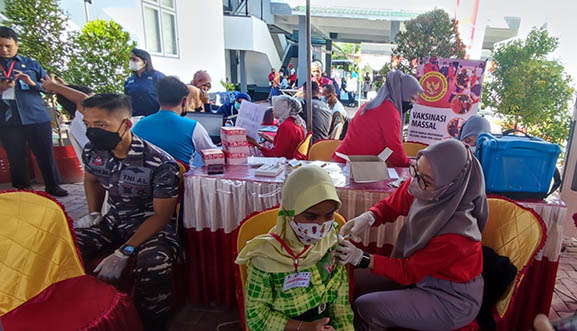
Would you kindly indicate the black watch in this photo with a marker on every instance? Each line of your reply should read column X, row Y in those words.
column 128, row 250
column 365, row 261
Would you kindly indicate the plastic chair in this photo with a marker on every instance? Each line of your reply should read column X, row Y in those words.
column 518, row 233
column 255, row 225
column 43, row 276
column 412, row 149
column 303, row 147
column 323, row 150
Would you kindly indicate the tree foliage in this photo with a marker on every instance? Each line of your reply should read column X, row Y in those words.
column 529, row 90
column 100, row 57
column 41, row 26
column 430, row 34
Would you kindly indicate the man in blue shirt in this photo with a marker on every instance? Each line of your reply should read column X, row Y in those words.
column 178, row 136
column 24, row 119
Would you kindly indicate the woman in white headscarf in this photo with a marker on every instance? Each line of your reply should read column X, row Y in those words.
column 378, row 123
column 291, row 130
column 438, row 252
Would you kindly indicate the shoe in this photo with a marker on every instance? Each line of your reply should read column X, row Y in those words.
column 29, row 188
column 56, row 191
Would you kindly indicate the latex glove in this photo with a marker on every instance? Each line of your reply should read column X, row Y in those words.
column 110, row 269
column 88, row 220
column 357, row 226
column 348, row 253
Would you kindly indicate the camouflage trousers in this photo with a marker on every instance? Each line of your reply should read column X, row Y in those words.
column 152, row 269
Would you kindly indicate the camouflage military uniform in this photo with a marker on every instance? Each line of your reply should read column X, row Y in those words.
column 146, row 173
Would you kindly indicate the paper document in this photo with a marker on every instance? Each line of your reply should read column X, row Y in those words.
column 250, row 116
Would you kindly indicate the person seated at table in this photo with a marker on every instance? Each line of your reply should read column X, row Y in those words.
column 330, row 95
column 203, row 82
column 438, row 252
column 142, row 184
column 472, row 129
column 291, row 130
column 322, row 117
column 193, row 101
column 306, row 229
column 179, row 136
column 379, row 123
column 232, row 108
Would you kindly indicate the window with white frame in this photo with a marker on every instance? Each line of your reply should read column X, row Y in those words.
column 160, row 26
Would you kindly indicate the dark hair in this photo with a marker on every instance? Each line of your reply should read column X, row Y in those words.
column 113, row 103
column 314, row 87
column 331, row 88
column 145, row 56
column 6, row 32
column 68, row 105
column 170, row 91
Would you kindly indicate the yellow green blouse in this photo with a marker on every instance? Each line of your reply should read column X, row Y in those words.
column 269, row 308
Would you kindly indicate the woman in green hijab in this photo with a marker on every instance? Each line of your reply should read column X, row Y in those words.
column 293, row 281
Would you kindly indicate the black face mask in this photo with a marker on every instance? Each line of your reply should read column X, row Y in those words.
column 407, row 105
column 103, row 140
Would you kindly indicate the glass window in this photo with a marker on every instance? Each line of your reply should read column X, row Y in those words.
column 168, row 3
column 169, row 33
column 152, row 29
column 160, row 26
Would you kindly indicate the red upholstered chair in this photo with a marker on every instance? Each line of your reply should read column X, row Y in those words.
column 44, row 286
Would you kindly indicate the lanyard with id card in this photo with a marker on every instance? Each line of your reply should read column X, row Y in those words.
column 296, row 279
column 9, row 94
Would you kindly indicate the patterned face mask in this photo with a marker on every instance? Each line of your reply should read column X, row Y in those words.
column 310, row 233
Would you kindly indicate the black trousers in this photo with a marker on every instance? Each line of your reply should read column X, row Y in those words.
column 39, row 138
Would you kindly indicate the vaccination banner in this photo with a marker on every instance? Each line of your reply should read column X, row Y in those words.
column 452, row 93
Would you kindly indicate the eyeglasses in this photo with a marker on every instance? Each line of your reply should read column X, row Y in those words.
column 414, row 171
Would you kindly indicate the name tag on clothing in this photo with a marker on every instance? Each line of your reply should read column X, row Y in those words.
column 9, row 94
column 299, row 279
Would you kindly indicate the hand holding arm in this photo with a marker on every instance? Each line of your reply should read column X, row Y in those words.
column 357, row 226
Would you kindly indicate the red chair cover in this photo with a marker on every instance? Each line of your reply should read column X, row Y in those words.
column 81, row 303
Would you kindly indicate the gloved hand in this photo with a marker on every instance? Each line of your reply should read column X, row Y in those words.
column 348, row 253
column 357, row 226
column 110, row 269
column 88, row 220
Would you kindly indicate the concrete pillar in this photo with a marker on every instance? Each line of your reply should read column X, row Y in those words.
column 329, row 57
column 395, row 28
column 233, row 59
column 302, row 67
column 243, row 87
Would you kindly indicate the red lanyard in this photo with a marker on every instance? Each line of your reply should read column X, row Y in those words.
column 290, row 251
column 9, row 73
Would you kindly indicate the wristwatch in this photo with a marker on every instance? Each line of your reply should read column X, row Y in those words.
column 128, row 250
column 365, row 261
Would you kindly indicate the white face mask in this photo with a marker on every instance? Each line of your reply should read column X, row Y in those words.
column 310, row 233
column 135, row 65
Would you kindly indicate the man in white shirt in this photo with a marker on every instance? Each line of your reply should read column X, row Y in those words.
column 179, row 136
column 330, row 94
column 352, row 88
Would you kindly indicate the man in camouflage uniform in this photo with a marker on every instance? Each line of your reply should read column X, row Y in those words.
column 142, row 184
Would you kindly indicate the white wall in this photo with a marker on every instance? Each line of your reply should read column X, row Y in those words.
column 201, row 42
column 252, row 35
column 200, row 34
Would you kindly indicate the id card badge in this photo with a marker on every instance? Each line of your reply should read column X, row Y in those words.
column 9, row 94
column 298, row 279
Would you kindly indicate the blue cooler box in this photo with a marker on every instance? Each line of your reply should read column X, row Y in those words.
column 519, row 167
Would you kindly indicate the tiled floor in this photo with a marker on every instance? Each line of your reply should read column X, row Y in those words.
column 209, row 318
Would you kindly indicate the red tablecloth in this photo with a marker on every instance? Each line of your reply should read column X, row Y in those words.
column 214, row 206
